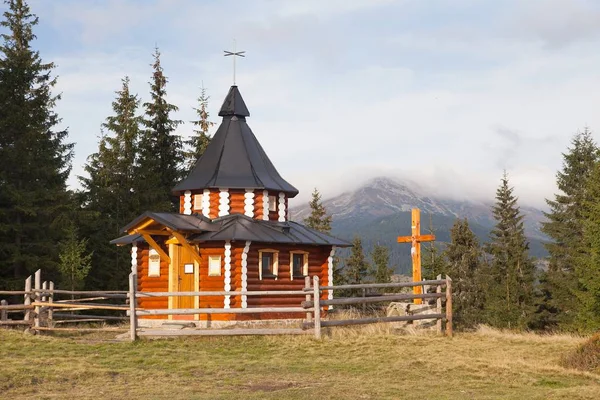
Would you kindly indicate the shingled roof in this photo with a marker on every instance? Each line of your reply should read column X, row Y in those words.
column 235, row 227
column 234, row 159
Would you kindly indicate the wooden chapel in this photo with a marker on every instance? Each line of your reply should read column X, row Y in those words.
column 232, row 232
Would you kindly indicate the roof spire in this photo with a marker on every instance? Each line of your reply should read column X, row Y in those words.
column 234, row 54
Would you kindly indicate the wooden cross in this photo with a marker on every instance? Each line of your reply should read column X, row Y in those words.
column 416, row 238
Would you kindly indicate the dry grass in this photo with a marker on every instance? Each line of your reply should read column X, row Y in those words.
column 357, row 363
column 586, row 357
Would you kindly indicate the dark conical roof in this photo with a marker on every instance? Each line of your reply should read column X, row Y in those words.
column 234, row 104
column 234, row 159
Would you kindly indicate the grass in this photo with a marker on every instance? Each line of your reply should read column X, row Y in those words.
column 368, row 363
column 586, row 357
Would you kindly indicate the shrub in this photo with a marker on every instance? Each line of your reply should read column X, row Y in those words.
column 586, row 357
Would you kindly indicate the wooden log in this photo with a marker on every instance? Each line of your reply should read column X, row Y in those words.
column 306, row 288
column 27, row 298
column 364, row 321
column 438, row 305
column 375, row 299
column 81, row 329
column 448, row 306
column 191, row 311
column 14, row 292
column 3, row 313
column 16, row 307
column 299, row 292
column 385, row 285
column 317, row 307
column 83, row 306
column 364, row 303
column 132, row 303
column 12, row 323
column 83, row 299
column 86, row 316
column 50, row 309
column 118, row 294
column 44, row 295
column 221, row 332
column 78, row 321
column 37, row 287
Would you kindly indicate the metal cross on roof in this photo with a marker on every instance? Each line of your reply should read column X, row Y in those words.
column 234, row 54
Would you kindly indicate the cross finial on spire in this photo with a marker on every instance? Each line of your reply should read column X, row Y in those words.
column 234, row 54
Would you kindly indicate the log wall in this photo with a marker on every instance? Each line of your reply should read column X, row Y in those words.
column 152, row 284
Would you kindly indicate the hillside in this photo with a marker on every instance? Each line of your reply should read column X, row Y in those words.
column 379, row 211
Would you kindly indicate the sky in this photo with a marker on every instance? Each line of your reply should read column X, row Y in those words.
column 448, row 93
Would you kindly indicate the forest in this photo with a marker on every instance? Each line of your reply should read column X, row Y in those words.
column 139, row 159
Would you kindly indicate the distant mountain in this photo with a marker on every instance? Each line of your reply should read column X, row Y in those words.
column 380, row 210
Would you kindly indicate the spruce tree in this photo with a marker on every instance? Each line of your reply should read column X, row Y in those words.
column 587, row 265
column 356, row 266
column 380, row 256
column 565, row 226
column 108, row 195
column 160, row 151
column 200, row 138
column 34, row 155
column 510, row 297
column 74, row 264
column 433, row 262
column 318, row 218
column 464, row 265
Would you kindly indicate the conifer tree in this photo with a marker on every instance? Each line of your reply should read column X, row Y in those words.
column 357, row 268
column 34, row 155
column 318, row 218
column 463, row 258
column 587, row 265
column 510, row 298
column 433, row 261
column 200, row 138
column 74, row 264
column 565, row 226
column 381, row 273
column 108, row 195
column 160, row 151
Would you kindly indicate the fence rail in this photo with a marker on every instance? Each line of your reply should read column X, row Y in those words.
column 42, row 311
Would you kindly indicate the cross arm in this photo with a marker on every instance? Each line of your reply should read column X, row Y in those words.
column 420, row 238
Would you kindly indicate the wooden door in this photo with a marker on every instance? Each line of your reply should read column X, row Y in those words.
column 186, row 277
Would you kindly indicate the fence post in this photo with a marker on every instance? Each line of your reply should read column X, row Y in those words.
column 132, row 303
column 4, row 313
column 448, row 306
column 364, row 305
column 307, row 286
column 50, row 301
column 37, row 299
column 27, row 299
column 438, row 305
column 44, row 297
column 317, row 306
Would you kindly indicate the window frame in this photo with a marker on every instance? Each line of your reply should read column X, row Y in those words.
column 304, row 264
column 275, row 266
column 220, row 261
column 274, row 198
column 198, row 200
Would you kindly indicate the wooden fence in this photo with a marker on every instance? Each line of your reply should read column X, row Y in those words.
column 42, row 310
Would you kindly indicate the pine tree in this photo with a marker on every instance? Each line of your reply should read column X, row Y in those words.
column 587, row 264
column 200, row 138
column 318, row 218
column 74, row 264
column 433, row 262
column 108, row 195
column 565, row 226
column 381, row 273
column 356, row 266
column 464, row 265
column 161, row 152
column 510, row 298
column 34, row 156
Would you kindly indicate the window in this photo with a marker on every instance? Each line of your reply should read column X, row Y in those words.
column 198, row 201
column 298, row 264
column 153, row 263
column 272, row 203
column 268, row 263
column 214, row 265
